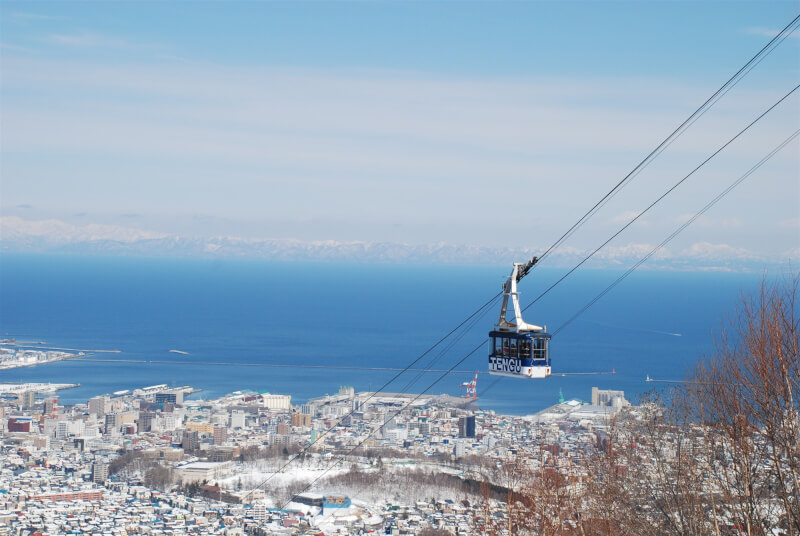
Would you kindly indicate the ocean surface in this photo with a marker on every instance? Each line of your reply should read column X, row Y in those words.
column 293, row 314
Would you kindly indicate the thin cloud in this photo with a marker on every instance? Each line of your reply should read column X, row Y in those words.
column 57, row 231
column 628, row 215
column 706, row 222
column 97, row 40
column 731, row 223
column 87, row 40
column 631, row 251
column 707, row 250
column 768, row 32
column 15, row 48
column 22, row 15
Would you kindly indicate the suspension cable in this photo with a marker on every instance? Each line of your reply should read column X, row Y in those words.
column 680, row 229
column 707, row 105
column 665, row 194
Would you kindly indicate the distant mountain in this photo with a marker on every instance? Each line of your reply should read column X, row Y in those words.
column 55, row 236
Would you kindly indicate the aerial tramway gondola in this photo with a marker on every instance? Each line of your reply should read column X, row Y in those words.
column 518, row 349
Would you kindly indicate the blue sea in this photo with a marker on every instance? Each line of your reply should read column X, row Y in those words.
column 241, row 312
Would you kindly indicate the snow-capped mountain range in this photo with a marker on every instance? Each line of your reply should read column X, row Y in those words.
column 56, row 236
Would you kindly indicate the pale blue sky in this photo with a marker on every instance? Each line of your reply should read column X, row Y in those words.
column 487, row 123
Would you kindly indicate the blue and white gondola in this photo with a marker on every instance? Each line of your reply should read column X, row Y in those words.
column 518, row 349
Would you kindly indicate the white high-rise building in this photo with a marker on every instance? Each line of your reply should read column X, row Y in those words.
column 607, row 397
column 99, row 472
column 112, row 424
column 259, row 511
column 168, row 422
column 62, row 430
column 98, row 405
column 90, row 427
column 237, row 419
column 77, row 428
column 396, row 435
column 220, row 418
column 49, row 427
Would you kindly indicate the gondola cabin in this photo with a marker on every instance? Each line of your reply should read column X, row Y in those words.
column 519, row 354
column 518, row 349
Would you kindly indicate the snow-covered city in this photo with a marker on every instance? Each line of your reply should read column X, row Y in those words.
column 151, row 461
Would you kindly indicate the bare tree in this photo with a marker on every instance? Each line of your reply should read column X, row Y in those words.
column 747, row 395
column 540, row 496
column 158, row 477
column 611, row 501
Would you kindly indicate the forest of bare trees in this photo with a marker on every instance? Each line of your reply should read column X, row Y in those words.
column 134, row 466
